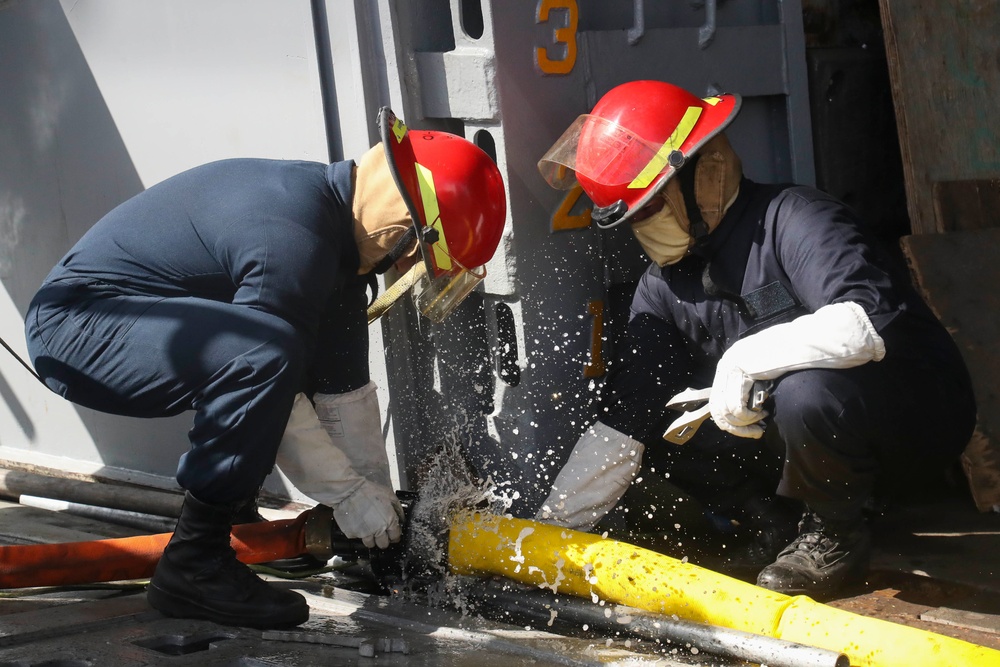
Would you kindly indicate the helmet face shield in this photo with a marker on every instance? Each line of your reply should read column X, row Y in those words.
column 437, row 296
column 456, row 198
column 632, row 142
column 604, row 152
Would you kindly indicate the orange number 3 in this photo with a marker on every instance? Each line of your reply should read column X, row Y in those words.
column 565, row 35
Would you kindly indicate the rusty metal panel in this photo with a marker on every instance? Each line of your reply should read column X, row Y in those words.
column 956, row 273
column 946, row 88
column 967, row 204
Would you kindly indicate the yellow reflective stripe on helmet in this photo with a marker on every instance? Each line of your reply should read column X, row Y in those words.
column 432, row 213
column 712, row 100
column 673, row 142
column 399, row 130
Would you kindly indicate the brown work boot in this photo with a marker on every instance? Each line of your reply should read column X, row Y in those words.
column 198, row 576
column 824, row 558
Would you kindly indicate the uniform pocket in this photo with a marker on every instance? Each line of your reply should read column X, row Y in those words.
column 107, row 315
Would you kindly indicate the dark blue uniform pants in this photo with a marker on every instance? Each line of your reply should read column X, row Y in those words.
column 885, row 427
column 141, row 356
column 834, row 437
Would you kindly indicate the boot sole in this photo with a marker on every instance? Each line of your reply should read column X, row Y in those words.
column 176, row 606
column 820, row 591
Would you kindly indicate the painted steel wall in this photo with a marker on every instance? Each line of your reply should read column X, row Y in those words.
column 102, row 98
column 517, row 401
column 111, row 96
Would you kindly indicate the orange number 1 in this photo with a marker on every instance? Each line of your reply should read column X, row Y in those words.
column 595, row 368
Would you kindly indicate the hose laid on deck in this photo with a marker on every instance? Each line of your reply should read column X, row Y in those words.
column 561, row 560
column 69, row 563
column 589, row 566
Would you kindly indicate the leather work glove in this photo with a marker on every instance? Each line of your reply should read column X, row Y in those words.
column 372, row 514
column 729, row 403
column 835, row 336
column 595, row 477
column 353, row 422
column 363, row 509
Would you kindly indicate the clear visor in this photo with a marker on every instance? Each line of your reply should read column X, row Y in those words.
column 437, row 296
column 614, row 156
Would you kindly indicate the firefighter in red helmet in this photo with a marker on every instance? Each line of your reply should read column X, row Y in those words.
column 455, row 196
column 795, row 348
column 239, row 290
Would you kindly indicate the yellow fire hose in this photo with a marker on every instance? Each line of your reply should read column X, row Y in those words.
column 396, row 290
column 589, row 566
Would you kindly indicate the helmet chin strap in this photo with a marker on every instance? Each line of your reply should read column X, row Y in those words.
column 398, row 288
column 685, row 178
column 397, row 251
column 699, row 230
column 402, row 246
column 606, row 216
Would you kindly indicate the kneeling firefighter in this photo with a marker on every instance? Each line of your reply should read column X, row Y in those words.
column 822, row 370
column 238, row 290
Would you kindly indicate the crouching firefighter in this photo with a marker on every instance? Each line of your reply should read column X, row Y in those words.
column 824, row 374
column 238, row 290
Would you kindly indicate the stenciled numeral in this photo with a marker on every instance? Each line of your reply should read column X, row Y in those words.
column 565, row 35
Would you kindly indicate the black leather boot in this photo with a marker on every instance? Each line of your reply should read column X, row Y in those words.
column 248, row 512
column 768, row 525
column 825, row 557
column 198, row 576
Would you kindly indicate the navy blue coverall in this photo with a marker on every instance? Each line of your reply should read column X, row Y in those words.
column 832, row 436
column 225, row 290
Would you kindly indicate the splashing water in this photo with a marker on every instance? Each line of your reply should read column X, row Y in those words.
column 448, row 485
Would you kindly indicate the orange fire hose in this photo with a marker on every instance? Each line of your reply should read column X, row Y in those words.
column 23, row 566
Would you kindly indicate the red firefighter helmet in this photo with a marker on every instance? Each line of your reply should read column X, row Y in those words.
column 455, row 195
column 633, row 141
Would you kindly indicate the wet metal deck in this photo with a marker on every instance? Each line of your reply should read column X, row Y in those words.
column 940, row 577
column 113, row 625
column 95, row 629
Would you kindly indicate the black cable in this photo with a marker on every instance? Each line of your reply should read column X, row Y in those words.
column 21, row 361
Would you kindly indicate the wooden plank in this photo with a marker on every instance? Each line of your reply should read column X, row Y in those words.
column 961, row 618
column 957, row 274
column 967, row 205
column 942, row 59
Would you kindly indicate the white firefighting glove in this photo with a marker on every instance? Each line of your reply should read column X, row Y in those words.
column 600, row 468
column 353, row 422
column 363, row 509
column 835, row 336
